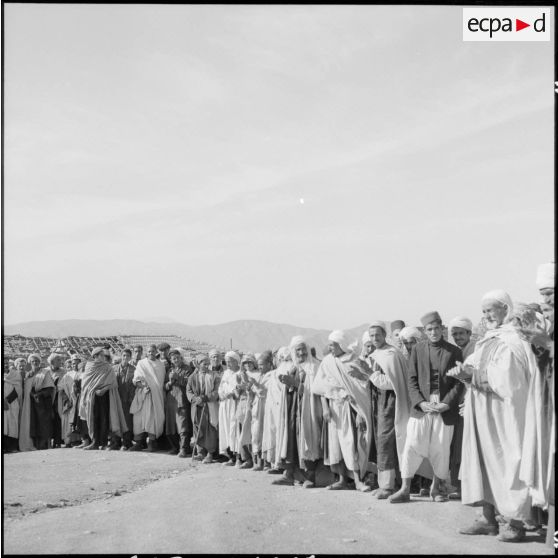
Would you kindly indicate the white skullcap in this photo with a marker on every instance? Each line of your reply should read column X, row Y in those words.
column 366, row 337
column 232, row 354
column 408, row 333
column 546, row 275
column 52, row 356
column 462, row 322
column 378, row 323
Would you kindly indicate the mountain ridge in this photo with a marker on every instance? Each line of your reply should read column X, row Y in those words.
column 253, row 335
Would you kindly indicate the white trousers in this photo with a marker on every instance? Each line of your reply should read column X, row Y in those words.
column 427, row 438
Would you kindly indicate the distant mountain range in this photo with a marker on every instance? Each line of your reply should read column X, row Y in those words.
column 246, row 335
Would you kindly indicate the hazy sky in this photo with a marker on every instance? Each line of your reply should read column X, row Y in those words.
column 155, row 159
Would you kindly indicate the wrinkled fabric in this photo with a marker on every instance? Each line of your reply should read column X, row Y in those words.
column 148, row 407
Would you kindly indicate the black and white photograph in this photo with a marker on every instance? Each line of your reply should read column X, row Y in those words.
column 278, row 279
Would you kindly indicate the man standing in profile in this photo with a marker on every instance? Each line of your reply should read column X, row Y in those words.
column 461, row 329
column 434, row 408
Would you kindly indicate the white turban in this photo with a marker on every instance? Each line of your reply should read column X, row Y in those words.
column 342, row 339
column 545, row 275
column 34, row 355
column 232, row 354
column 297, row 340
column 502, row 297
column 366, row 337
column 462, row 322
column 408, row 333
column 52, row 356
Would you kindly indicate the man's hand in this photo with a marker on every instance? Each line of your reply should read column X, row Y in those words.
column 327, row 415
column 354, row 373
column 462, row 408
column 461, row 372
column 287, row 379
column 426, row 407
column 536, row 337
column 6, row 406
column 360, row 423
column 441, row 407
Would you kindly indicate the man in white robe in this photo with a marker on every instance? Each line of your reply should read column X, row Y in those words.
column 271, row 412
column 227, row 407
column 348, row 412
column 148, row 405
column 499, row 372
column 299, row 428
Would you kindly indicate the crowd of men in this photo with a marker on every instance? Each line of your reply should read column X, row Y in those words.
column 409, row 412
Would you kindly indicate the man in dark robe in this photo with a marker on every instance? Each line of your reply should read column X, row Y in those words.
column 178, row 420
column 57, row 370
column 42, row 411
column 202, row 392
column 126, row 390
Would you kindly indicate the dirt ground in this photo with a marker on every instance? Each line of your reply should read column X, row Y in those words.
column 68, row 501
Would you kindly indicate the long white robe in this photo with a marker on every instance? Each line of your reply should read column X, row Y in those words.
column 345, row 393
column 494, row 423
column 148, row 407
column 227, row 411
column 271, row 412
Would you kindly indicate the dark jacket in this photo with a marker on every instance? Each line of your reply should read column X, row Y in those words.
column 418, row 380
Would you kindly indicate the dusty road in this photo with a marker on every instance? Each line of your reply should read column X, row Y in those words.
column 69, row 501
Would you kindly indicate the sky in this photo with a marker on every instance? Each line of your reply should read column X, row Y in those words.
column 156, row 157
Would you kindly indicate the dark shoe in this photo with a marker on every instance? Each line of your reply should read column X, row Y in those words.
column 399, row 498
column 274, row 471
column 283, row 481
column 113, row 447
column 172, row 451
column 151, row 446
column 454, row 495
column 480, row 527
column 135, row 447
column 511, row 533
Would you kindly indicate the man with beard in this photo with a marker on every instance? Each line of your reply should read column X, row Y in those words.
column 299, row 430
column 499, row 373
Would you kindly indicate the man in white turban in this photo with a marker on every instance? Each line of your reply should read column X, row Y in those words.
column 299, row 429
column 347, row 411
column 499, row 373
column 227, row 407
column 546, row 281
column 409, row 337
column 461, row 329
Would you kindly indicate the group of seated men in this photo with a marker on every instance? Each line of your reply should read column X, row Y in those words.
column 469, row 419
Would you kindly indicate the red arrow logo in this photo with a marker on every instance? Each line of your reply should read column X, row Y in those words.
column 519, row 25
